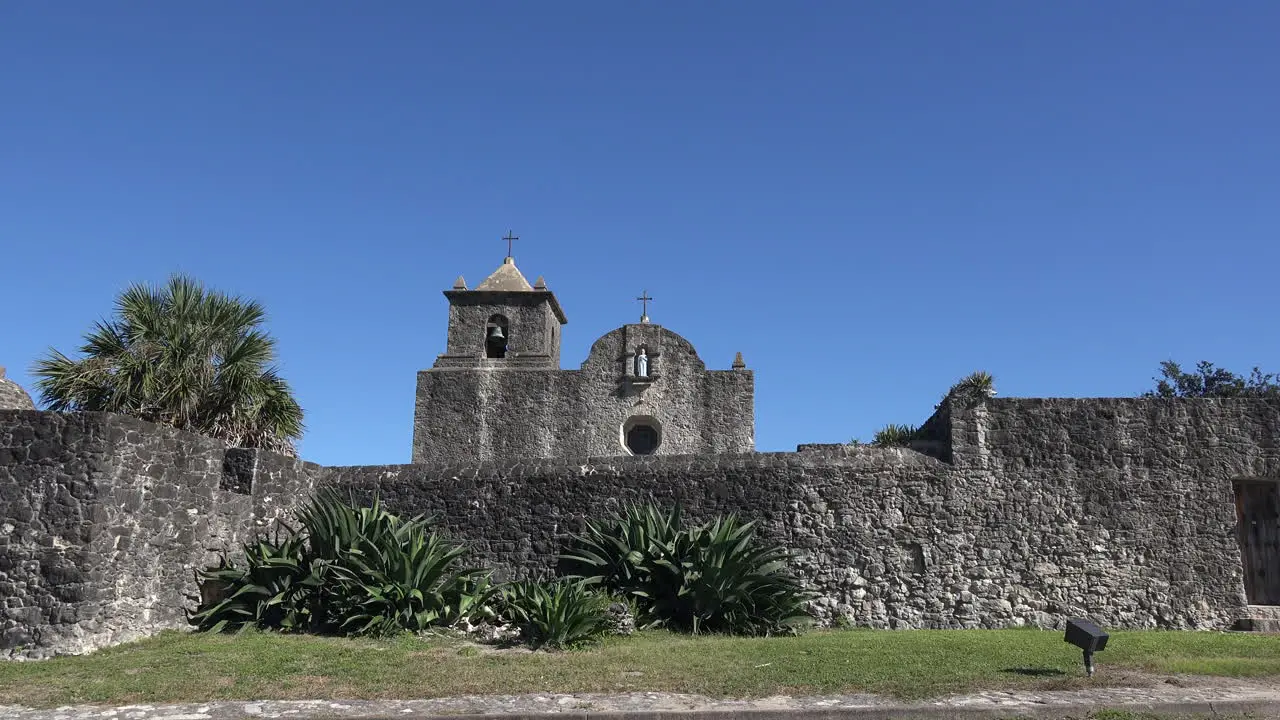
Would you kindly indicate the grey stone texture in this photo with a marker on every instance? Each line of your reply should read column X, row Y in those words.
column 12, row 396
column 531, row 320
column 472, row 408
column 1117, row 509
column 1017, row 512
column 105, row 519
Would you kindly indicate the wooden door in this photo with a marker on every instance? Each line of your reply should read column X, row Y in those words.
column 1258, row 508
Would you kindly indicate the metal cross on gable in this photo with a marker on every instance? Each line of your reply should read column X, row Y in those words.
column 510, row 237
column 644, row 300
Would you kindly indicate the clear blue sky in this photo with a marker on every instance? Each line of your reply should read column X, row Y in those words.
column 869, row 200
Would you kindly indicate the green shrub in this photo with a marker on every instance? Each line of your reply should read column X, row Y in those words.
column 561, row 614
column 352, row 570
column 975, row 386
column 895, row 436
column 394, row 575
column 277, row 588
column 625, row 552
column 709, row 578
column 972, row 389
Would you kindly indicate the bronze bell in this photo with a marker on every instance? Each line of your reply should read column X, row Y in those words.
column 495, row 333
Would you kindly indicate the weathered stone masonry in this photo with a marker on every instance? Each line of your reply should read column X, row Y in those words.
column 105, row 518
column 12, row 396
column 1017, row 512
column 1118, row 509
column 477, row 414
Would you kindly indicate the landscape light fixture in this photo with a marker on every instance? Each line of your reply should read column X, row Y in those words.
column 1088, row 637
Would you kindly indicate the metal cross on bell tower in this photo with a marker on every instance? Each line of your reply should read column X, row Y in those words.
column 510, row 237
column 644, row 311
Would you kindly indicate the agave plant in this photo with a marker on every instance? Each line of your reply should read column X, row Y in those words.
column 895, row 436
column 973, row 388
column 407, row 579
column 709, row 578
column 561, row 614
column 355, row 570
column 278, row 587
column 628, row 550
column 739, row 587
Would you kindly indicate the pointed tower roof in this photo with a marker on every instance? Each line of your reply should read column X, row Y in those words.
column 506, row 278
column 12, row 396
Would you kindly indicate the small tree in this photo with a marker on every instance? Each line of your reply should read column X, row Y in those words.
column 1210, row 381
column 181, row 356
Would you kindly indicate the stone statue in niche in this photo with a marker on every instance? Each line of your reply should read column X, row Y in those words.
column 642, row 363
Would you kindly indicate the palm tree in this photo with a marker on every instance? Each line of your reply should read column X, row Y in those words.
column 182, row 356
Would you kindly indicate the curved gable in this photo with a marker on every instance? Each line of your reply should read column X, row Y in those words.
column 663, row 345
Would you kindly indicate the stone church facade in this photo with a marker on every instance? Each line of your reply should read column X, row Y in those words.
column 498, row 391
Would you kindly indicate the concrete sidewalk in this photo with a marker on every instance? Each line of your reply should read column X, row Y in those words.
column 1174, row 696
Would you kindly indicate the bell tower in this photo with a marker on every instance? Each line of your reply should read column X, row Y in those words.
column 497, row 392
column 503, row 323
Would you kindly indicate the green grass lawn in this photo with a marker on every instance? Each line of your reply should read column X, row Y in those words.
column 185, row 667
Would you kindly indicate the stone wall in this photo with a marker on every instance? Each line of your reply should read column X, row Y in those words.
column 836, row 510
column 1136, row 510
column 1121, row 510
column 1018, row 512
column 106, row 518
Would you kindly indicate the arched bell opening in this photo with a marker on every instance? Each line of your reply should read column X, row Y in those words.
column 496, row 337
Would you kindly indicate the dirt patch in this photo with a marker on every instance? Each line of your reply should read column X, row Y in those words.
column 301, row 687
column 469, row 647
column 1113, row 678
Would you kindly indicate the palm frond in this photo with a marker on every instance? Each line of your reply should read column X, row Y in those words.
column 182, row 355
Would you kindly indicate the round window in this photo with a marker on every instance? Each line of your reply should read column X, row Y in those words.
column 641, row 434
column 642, row 439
